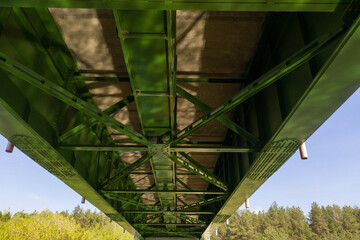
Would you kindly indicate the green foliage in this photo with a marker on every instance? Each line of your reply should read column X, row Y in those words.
column 283, row 223
column 77, row 225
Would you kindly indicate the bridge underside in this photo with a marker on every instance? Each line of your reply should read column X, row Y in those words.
column 167, row 116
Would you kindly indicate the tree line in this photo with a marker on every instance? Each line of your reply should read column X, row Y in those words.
column 277, row 223
column 75, row 225
column 283, row 223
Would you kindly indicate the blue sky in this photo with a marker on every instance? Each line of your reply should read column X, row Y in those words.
column 329, row 176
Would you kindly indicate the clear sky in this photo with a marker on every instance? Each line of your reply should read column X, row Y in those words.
column 330, row 176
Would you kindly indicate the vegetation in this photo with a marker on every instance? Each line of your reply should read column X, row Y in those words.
column 77, row 225
column 278, row 223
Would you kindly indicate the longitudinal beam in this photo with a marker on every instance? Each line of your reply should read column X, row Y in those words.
column 270, row 77
column 125, row 148
column 209, row 5
column 225, row 121
column 145, row 148
column 65, row 96
column 211, row 192
column 92, row 121
column 126, row 170
column 206, row 149
column 171, row 212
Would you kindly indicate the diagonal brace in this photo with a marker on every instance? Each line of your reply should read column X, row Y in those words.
column 202, row 203
column 65, row 96
column 199, row 170
column 224, row 120
column 92, row 121
column 126, row 170
column 304, row 55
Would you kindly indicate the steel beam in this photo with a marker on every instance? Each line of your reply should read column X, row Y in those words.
column 199, row 171
column 204, row 192
column 171, row 212
column 202, row 203
column 92, row 121
column 126, row 171
column 285, row 67
column 65, row 96
column 225, row 121
column 211, row 149
column 207, row 5
column 125, row 148
column 177, row 224
column 178, row 80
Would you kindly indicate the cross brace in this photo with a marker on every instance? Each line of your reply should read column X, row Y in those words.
column 126, row 170
column 92, row 121
column 200, row 171
column 285, row 67
column 65, row 96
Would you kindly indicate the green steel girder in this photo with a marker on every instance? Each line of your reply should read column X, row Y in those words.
column 148, row 43
column 151, row 209
column 105, row 148
column 178, row 80
column 189, row 188
column 166, row 191
column 92, row 121
column 285, row 67
column 189, row 212
column 53, row 89
column 199, row 170
column 165, row 231
column 288, row 136
column 127, row 148
column 208, row 149
column 139, row 196
column 225, row 121
column 126, row 171
column 177, row 224
column 325, row 83
column 207, row 5
column 202, row 203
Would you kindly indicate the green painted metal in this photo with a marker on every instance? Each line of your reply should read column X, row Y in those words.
column 105, row 148
column 315, row 101
column 177, row 224
column 290, row 64
column 169, row 212
column 178, row 80
column 126, row 171
column 209, row 5
column 276, row 109
column 209, row 149
column 164, row 191
column 53, row 89
column 91, row 122
column 225, row 121
column 145, row 148
column 202, row 203
column 199, row 170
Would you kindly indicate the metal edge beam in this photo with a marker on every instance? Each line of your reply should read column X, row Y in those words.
column 207, row 5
